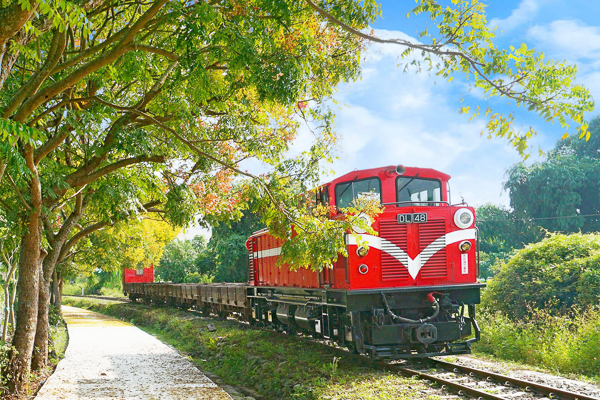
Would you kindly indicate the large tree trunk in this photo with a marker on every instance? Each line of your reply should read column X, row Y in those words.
column 27, row 309
column 42, row 333
column 19, row 364
column 40, row 356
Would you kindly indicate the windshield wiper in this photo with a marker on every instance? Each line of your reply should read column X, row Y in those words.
column 345, row 190
column 408, row 183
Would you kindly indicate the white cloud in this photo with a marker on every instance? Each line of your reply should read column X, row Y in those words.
column 526, row 11
column 390, row 117
column 570, row 39
column 411, row 118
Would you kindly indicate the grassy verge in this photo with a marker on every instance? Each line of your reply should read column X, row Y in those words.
column 558, row 344
column 59, row 339
column 272, row 365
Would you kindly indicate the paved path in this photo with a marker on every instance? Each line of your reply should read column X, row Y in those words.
column 109, row 359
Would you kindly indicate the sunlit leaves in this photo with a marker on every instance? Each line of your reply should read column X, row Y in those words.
column 12, row 132
column 464, row 44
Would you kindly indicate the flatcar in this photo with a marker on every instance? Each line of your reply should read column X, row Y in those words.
column 409, row 291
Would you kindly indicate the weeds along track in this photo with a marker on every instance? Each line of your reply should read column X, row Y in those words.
column 460, row 379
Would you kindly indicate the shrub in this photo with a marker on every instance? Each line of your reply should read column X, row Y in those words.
column 558, row 274
column 560, row 343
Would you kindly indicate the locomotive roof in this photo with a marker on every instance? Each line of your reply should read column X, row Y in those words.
column 386, row 172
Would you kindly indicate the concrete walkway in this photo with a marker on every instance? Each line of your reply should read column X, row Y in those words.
column 109, row 359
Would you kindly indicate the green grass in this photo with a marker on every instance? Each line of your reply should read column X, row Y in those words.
column 274, row 365
column 71, row 288
column 566, row 345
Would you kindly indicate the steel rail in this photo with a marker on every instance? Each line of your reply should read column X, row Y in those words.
column 446, row 384
column 543, row 389
column 457, row 387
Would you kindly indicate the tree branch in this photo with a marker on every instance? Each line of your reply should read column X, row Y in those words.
column 101, row 61
column 49, row 146
column 18, row 192
column 151, row 49
column 56, row 51
column 113, row 167
column 433, row 49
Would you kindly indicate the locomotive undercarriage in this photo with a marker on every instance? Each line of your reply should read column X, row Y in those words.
column 386, row 323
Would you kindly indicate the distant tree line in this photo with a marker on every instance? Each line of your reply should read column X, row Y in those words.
column 559, row 194
column 224, row 258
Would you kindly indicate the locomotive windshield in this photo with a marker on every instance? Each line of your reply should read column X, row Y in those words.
column 346, row 192
column 415, row 190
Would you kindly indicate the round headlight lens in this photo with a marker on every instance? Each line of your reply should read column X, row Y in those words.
column 463, row 218
column 362, row 251
column 465, row 245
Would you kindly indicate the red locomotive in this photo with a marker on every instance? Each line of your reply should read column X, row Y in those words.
column 409, row 292
column 398, row 295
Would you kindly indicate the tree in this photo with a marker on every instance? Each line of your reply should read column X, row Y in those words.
column 562, row 192
column 179, row 92
column 500, row 231
column 179, row 260
column 228, row 246
column 156, row 103
column 132, row 244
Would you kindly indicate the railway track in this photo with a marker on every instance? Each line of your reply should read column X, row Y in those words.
column 459, row 379
column 481, row 384
column 468, row 381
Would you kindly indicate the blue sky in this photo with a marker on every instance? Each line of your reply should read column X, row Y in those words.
column 393, row 117
column 390, row 117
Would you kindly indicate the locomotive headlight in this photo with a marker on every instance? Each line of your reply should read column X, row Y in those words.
column 362, row 251
column 463, row 218
column 363, row 269
column 464, row 246
column 365, row 219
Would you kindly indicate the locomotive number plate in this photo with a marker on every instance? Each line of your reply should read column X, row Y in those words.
column 417, row 218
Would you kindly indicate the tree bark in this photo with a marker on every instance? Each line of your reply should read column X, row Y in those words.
column 57, row 242
column 57, row 285
column 40, row 352
column 19, row 365
column 8, row 299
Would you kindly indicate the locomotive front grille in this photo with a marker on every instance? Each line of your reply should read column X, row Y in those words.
column 394, row 233
column 426, row 234
column 436, row 266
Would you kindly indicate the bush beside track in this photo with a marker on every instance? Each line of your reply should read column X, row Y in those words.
column 272, row 365
column 568, row 345
column 543, row 306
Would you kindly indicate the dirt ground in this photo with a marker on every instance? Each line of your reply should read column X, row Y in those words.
column 109, row 359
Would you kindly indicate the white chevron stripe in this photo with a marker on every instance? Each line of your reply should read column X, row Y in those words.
column 413, row 265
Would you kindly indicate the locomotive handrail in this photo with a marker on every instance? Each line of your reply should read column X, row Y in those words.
column 413, row 202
